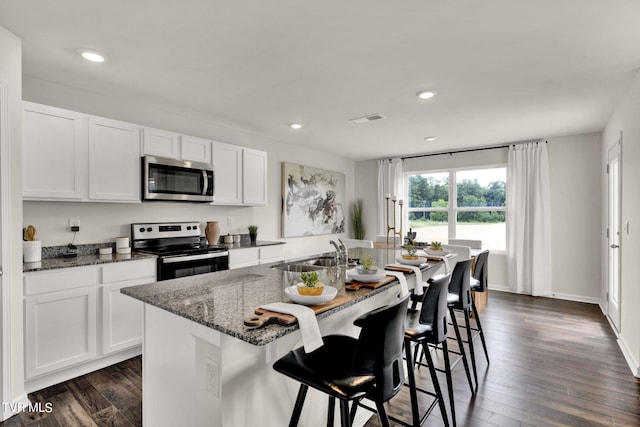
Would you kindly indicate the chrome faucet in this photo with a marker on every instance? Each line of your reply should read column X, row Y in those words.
column 342, row 254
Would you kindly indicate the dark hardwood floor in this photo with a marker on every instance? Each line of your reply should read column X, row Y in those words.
column 553, row 363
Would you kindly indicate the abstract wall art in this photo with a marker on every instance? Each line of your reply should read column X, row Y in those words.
column 312, row 201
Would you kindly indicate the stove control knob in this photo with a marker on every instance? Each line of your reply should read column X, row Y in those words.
column 149, row 229
column 188, row 227
column 142, row 229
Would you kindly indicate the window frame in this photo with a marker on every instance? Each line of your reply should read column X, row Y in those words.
column 452, row 208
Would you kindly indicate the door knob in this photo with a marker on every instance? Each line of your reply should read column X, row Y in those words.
column 614, row 246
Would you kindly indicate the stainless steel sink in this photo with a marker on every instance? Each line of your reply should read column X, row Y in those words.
column 298, row 267
column 324, row 261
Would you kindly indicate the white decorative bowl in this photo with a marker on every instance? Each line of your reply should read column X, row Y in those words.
column 421, row 260
column 443, row 252
column 328, row 293
column 366, row 278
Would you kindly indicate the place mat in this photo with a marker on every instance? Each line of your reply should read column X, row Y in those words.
column 355, row 285
column 265, row 317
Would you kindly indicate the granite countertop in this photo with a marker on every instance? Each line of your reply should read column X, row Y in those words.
column 221, row 300
column 81, row 261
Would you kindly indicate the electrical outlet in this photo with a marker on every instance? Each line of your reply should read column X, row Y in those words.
column 229, row 222
column 212, row 372
column 74, row 224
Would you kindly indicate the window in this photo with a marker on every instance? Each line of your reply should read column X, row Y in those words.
column 473, row 208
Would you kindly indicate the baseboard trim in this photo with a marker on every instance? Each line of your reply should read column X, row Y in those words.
column 628, row 356
column 576, row 298
column 15, row 407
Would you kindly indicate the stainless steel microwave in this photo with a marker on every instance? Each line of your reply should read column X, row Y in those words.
column 177, row 180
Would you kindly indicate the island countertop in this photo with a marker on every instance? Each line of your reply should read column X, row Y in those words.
column 221, row 300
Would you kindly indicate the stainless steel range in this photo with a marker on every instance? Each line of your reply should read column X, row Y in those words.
column 179, row 249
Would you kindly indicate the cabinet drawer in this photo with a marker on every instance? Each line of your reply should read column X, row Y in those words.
column 271, row 253
column 130, row 270
column 51, row 281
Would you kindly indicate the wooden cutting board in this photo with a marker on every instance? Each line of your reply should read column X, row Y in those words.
column 355, row 285
column 265, row 317
column 398, row 268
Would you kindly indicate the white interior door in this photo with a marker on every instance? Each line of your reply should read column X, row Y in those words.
column 613, row 232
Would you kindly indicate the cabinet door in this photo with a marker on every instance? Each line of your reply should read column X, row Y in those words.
column 161, row 143
column 243, row 258
column 227, row 166
column 195, row 149
column 54, row 149
column 114, row 161
column 122, row 318
column 271, row 253
column 60, row 330
column 254, row 177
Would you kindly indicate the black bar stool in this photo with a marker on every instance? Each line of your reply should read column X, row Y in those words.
column 459, row 298
column 428, row 326
column 479, row 284
column 349, row 369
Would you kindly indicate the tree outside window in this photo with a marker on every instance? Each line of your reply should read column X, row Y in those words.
column 477, row 210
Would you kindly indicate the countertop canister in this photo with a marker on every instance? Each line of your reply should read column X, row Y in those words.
column 212, row 231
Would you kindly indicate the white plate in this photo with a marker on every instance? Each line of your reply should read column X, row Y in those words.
column 421, row 260
column 366, row 278
column 437, row 253
column 328, row 293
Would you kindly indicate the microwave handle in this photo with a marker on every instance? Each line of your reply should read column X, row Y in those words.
column 205, row 183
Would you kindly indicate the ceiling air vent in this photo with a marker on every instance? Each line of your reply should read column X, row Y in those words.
column 369, row 118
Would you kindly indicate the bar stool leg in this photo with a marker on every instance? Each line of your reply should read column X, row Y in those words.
column 472, row 352
column 484, row 344
column 297, row 410
column 331, row 411
column 344, row 413
column 447, row 368
column 462, row 352
column 436, row 386
column 415, row 413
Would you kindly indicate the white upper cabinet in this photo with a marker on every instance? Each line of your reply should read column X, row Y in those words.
column 161, row 143
column 227, row 167
column 254, row 177
column 195, row 149
column 114, row 161
column 54, row 151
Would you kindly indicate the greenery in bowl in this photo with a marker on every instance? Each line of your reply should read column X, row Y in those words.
column 411, row 252
column 367, row 266
column 310, row 284
column 253, row 229
column 435, row 246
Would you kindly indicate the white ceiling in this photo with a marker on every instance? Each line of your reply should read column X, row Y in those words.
column 504, row 70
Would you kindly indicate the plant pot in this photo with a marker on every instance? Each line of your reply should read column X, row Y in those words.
column 311, row 291
column 253, row 237
column 410, row 257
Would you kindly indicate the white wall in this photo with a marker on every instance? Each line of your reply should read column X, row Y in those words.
column 575, row 169
column 11, row 360
column 626, row 120
column 101, row 222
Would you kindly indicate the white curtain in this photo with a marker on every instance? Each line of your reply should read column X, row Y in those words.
column 389, row 182
column 529, row 219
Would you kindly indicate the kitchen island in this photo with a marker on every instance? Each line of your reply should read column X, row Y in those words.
column 203, row 367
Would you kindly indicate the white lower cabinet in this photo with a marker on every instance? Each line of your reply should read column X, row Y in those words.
column 60, row 329
column 248, row 257
column 77, row 321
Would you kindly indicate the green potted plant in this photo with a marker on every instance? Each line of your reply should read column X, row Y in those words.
column 411, row 253
column 310, row 284
column 367, row 266
column 357, row 222
column 435, row 248
column 253, row 232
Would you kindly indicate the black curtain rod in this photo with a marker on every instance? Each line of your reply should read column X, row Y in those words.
column 495, row 147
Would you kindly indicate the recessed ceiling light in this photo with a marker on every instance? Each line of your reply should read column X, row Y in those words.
column 426, row 94
column 91, row 55
column 430, row 138
column 295, row 125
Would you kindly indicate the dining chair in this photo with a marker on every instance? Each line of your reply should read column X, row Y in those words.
column 427, row 328
column 459, row 299
column 350, row 369
column 479, row 283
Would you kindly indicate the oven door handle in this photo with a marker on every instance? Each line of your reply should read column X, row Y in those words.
column 183, row 258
